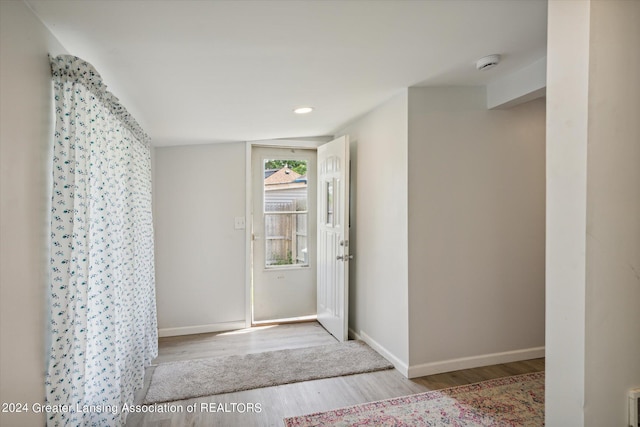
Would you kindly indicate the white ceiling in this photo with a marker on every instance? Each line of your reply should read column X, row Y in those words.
column 213, row 71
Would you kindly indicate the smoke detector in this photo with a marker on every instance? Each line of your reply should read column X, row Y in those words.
column 487, row 62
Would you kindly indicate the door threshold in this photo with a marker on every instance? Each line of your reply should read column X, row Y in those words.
column 300, row 319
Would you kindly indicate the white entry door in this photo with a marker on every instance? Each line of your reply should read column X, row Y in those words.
column 284, row 234
column 333, row 237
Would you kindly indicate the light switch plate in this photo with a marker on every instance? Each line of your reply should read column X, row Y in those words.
column 239, row 223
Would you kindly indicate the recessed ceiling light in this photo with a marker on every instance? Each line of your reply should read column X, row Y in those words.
column 303, row 110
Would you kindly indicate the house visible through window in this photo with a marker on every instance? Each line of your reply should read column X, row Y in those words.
column 285, row 213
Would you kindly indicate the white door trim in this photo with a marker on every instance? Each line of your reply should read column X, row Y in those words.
column 313, row 143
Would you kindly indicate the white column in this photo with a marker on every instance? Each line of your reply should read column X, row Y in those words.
column 593, row 211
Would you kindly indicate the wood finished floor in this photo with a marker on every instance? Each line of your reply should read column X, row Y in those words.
column 243, row 341
column 299, row 398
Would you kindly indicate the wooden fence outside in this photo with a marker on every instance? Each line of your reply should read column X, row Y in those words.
column 285, row 230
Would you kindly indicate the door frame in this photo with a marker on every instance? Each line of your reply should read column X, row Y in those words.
column 300, row 143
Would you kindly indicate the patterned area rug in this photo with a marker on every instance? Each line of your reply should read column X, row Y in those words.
column 510, row 401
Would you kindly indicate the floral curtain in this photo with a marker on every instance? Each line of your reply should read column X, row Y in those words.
column 102, row 291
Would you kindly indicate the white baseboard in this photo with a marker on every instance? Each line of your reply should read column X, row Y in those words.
column 353, row 335
column 397, row 363
column 202, row 329
column 474, row 362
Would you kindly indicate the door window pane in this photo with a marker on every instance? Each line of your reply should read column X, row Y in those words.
column 329, row 198
column 285, row 213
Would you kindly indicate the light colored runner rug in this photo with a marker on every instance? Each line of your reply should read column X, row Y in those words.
column 205, row 377
column 510, row 401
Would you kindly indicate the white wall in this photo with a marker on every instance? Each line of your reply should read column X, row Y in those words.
column 476, row 230
column 567, row 92
column 523, row 85
column 613, row 212
column 26, row 114
column 200, row 257
column 594, row 233
column 378, row 285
